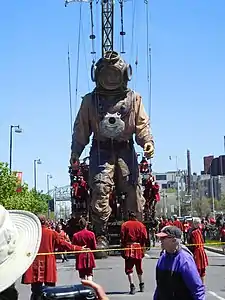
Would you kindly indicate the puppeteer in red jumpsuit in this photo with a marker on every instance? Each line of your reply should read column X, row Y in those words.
column 113, row 113
column 43, row 269
column 134, row 238
column 85, row 262
column 195, row 239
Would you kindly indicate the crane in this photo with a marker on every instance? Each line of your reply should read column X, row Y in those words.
column 80, row 195
column 107, row 20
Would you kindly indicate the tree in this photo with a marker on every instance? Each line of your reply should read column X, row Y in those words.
column 25, row 199
column 8, row 182
column 202, row 207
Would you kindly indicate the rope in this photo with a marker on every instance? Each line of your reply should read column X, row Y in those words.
column 78, row 52
column 148, row 53
column 85, row 54
column 132, row 28
column 121, row 249
column 132, row 38
column 70, row 92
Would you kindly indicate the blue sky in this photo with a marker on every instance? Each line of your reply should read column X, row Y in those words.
column 188, row 71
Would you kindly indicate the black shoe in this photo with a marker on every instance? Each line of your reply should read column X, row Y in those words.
column 142, row 287
column 132, row 289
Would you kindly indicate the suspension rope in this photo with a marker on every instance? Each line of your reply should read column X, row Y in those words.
column 70, row 91
column 85, row 54
column 150, row 80
column 132, row 39
column 136, row 69
column 148, row 57
column 78, row 53
column 149, row 73
column 132, row 28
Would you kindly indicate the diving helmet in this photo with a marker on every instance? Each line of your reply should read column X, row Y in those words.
column 111, row 72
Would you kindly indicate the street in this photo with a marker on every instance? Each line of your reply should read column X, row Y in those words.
column 110, row 274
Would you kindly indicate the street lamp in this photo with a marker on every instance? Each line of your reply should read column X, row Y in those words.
column 36, row 162
column 49, row 176
column 18, row 129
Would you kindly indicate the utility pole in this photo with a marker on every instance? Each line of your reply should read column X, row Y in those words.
column 213, row 196
column 164, row 196
column 189, row 179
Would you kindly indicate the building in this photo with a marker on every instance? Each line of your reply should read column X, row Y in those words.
column 207, row 163
column 211, row 182
column 171, row 180
column 211, row 186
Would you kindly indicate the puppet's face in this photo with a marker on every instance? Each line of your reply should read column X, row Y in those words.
column 112, row 72
column 110, row 78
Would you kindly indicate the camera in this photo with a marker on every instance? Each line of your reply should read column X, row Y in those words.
column 75, row 292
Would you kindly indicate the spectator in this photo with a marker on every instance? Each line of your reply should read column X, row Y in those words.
column 20, row 235
column 177, row 276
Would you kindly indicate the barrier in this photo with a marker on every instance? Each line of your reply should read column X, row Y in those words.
column 123, row 249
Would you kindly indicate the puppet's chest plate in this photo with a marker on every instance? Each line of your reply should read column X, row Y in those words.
column 112, row 115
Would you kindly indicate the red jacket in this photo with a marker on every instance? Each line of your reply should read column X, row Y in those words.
column 43, row 269
column 86, row 259
column 133, row 235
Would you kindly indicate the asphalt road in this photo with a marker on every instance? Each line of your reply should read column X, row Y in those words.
column 110, row 274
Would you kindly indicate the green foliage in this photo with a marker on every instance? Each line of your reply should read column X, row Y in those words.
column 202, row 206
column 8, row 182
column 171, row 190
column 25, row 200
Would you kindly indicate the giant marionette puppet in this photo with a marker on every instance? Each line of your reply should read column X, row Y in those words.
column 113, row 113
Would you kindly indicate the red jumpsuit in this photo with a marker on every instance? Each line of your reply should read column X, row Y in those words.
column 200, row 256
column 85, row 262
column 178, row 224
column 133, row 235
column 64, row 237
column 155, row 192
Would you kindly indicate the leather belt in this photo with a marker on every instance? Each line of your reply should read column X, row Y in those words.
column 113, row 144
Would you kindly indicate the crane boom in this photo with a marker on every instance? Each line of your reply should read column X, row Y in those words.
column 107, row 17
column 107, row 25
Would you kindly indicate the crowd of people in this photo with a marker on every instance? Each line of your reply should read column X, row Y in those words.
column 29, row 242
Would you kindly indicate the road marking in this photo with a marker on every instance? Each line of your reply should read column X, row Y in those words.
column 127, row 294
column 215, row 295
column 210, row 253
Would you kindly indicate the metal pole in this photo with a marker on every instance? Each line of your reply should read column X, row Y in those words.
column 10, row 149
column 164, row 203
column 178, row 190
column 54, row 197
column 213, row 198
column 48, row 184
column 48, row 194
column 35, row 175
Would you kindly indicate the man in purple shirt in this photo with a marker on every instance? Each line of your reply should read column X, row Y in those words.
column 177, row 276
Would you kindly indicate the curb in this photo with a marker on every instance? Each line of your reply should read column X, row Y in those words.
column 219, row 251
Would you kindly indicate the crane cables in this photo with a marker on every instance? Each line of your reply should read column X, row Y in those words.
column 78, row 54
column 133, row 34
column 85, row 53
column 148, row 53
column 70, row 90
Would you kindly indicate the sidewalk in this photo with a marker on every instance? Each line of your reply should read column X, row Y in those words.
column 214, row 249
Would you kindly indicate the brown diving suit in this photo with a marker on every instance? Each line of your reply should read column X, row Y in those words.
column 109, row 157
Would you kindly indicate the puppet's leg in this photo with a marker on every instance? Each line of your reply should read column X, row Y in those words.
column 101, row 183
column 129, row 182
